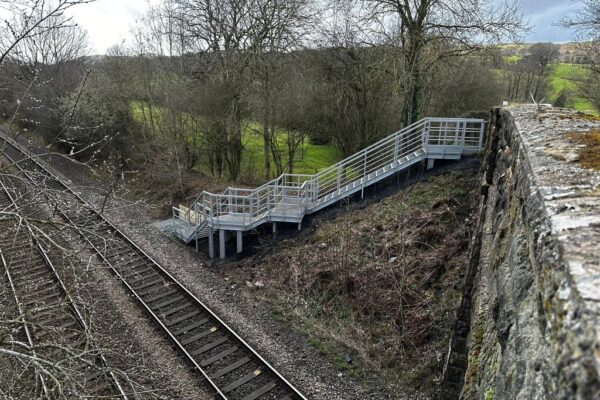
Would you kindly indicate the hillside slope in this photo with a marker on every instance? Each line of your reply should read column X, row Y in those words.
column 375, row 288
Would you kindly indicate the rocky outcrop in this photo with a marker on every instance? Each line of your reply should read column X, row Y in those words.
column 528, row 326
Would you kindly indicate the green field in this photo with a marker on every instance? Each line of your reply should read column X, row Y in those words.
column 565, row 77
column 511, row 59
column 310, row 158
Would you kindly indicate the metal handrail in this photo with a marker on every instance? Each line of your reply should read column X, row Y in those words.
column 294, row 195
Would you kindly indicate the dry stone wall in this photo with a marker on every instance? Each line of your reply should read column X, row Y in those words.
column 528, row 326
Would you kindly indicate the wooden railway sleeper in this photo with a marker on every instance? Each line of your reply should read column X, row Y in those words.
column 264, row 390
column 154, row 282
column 211, row 360
column 137, row 273
column 242, row 381
column 172, row 311
column 199, row 336
column 151, row 275
column 41, row 299
column 182, row 318
column 35, row 268
column 45, row 290
column 191, row 327
column 230, row 368
column 161, row 295
column 210, row 346
column 167, row 302
column 41, row 281
column 151, row 291
column 31, row 277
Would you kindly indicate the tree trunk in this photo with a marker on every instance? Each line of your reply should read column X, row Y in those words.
column 266, row 124
column 412, row 56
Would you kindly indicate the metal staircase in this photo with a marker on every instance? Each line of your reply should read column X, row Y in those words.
column 291, row 196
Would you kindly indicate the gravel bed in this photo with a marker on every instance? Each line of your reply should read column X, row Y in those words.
column 130, row 340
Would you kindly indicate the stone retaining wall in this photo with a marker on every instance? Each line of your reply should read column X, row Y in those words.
column 528, row 326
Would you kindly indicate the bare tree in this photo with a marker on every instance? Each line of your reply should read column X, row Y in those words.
column 541, row 55
column 281, row 26
column 453, row 28
column 528, row 76
column 30, row 18
column 586, row 25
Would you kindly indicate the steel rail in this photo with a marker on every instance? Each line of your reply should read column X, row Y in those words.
column 20, row 310
column 292, row 391
column 64, row 293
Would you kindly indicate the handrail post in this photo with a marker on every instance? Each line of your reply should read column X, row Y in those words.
column 445, row 133
column 481, row 133
column 197, row 225
column 364, row 177
column 339, row 177
column 396, row 147
column 425, row 136
column 306, row 194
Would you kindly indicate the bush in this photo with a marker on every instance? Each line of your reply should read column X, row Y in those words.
column 562, row 99
column 95, row 120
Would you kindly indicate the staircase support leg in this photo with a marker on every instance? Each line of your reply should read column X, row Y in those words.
column 222, row 244
column 299, row 226
column 274, row 227
column 211, row 244
column 430, row 162
column 240, row 244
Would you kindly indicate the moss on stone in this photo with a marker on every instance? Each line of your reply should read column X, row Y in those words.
column 473, row 366
column 589, row 154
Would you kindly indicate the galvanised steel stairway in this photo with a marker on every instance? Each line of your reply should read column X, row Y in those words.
column 291, row 196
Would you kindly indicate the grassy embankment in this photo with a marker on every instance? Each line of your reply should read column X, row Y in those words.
column 564, row 77
column 379, row 284
column 308, row 160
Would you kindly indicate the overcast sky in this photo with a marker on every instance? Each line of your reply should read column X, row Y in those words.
column 108, row 22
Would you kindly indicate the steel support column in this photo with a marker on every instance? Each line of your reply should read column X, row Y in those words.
column 211, row 243
column 240, row 244
column 222, row 243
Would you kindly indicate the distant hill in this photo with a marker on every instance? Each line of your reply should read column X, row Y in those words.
column 568, row 51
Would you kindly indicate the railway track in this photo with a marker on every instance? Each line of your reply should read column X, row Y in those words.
column 231, row 366
column 53, row 325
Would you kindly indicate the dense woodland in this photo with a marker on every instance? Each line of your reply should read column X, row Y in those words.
column 204, row 80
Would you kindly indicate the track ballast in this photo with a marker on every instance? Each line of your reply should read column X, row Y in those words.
column 233, row 368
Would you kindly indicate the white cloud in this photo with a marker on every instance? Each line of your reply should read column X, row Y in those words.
column 108, row 22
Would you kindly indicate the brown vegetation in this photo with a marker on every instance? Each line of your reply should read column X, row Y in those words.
column 589, row 153
column 378, row 283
